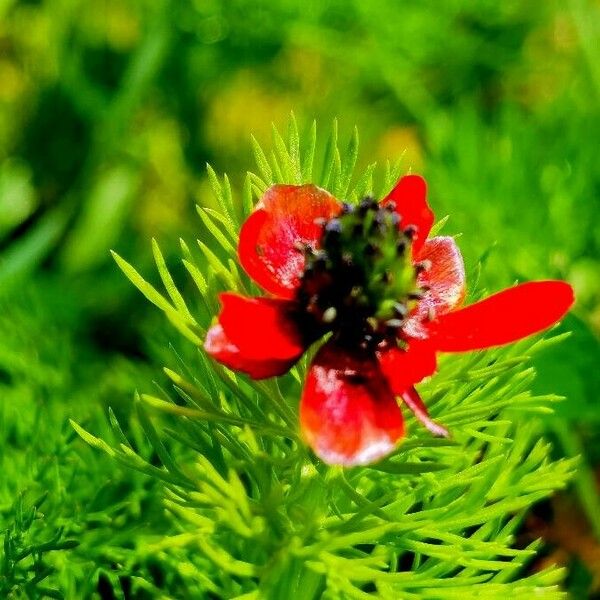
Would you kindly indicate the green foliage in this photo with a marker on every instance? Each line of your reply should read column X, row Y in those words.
column 71, row 524
column 24, row 567
column 258, row 516
column 106, row 116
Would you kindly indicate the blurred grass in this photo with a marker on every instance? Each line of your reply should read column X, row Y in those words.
column 109, row 111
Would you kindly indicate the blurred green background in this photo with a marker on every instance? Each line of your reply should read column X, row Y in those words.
column 109, row 111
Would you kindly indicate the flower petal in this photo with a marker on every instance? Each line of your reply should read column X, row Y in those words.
column 284, row 218
column 410, row 199
column 414, row 402
column 261, row 328
column 444, row 281
column 504, row 317
column 348, row 413
column 220, row 347
column 404, row 368
column 444, row 278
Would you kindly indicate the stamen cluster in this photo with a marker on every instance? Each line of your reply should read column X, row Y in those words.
column 361, row 283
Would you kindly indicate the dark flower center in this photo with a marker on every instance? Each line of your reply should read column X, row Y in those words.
column 361, row 283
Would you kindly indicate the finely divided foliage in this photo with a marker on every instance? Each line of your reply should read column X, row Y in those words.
column 260, row 517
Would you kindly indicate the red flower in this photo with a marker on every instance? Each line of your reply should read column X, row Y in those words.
column 387, row 296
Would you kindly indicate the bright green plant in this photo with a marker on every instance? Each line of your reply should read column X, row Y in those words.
column 259, row 517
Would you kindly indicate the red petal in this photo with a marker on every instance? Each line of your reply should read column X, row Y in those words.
column 410, row 199
column 417, row 406
column 404, row 368
column 504, row 317
column 261, row 328
column 285, row 217
column 220, row 347
column 444, row 281
column 445, row 276
column 348, row 413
